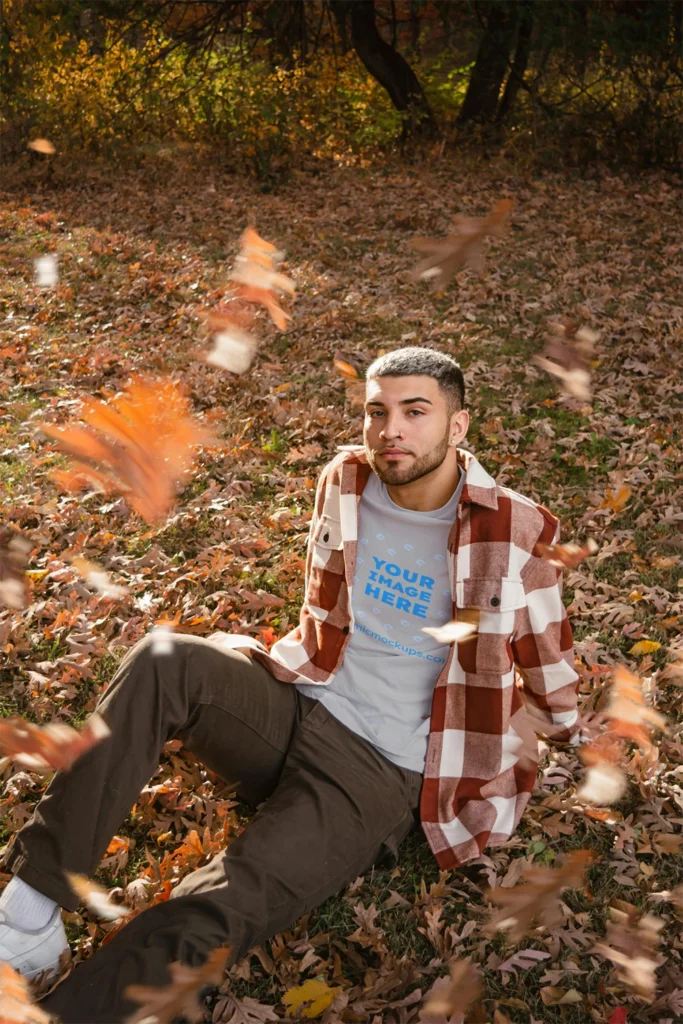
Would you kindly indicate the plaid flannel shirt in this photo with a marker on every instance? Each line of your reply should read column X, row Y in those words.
column 521, row 659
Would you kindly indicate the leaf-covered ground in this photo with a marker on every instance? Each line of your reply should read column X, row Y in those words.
column 140, row 256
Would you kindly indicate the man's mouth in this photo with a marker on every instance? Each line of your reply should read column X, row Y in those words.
column 394, row 453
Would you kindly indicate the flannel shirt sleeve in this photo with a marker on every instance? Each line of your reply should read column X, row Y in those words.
column 543, row 650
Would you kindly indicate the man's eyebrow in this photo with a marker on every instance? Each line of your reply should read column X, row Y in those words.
column 404, row 401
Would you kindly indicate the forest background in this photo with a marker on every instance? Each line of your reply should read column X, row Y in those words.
column 341, row 130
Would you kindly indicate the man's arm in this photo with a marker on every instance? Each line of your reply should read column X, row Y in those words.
column 543, row 649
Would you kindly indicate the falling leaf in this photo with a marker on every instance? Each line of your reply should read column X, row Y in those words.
column 631, row 944
column 310, row 999
column 454, row 994
column 233, row 350
column 565, row 556
column 180, row 998
column 95, row 898
column 42, row 146
column 603, row 784
column 47, row 275
column 16, row 1004
column 98, row 579
column 49, row 747
column 644, row 647
column 629, row 715
column 567, row 357
column 162, row 639
column 257, row 279
column 538, row 900
column 451, row 632
column 14, row 552
column 143, row 449
column 461, row 248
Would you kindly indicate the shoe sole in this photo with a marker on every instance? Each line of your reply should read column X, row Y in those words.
column 49, row 969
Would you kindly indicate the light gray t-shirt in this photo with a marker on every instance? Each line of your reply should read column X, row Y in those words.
column 383, row 689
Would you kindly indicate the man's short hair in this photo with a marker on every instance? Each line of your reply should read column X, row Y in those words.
column 414, row 360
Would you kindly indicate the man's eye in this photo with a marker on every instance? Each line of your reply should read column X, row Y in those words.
column 418, row 412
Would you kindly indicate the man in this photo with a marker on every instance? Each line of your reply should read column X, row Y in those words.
column 383, row 722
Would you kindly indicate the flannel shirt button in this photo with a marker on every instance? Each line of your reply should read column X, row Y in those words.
column 345, row 629
column 495, row 601
column 326, row 537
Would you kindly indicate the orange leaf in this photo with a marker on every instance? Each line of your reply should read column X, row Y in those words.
column 54, row 746
column 616, row 502
column 16, row 1005
column 565, row 556
column 145, row 450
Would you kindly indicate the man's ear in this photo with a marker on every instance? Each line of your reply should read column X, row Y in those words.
column 460, row 422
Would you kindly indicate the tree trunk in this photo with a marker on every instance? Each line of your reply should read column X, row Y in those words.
column 388, row 67
column 481, row 99
column 286, row 20
column 519, row 64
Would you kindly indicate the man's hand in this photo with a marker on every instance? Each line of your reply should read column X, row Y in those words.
column 219, row 639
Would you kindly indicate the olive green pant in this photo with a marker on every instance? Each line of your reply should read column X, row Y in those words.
column 333, row 807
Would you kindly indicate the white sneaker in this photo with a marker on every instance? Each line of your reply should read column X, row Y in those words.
column 31, row 953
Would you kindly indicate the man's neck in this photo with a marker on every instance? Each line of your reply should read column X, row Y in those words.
column 425, row 495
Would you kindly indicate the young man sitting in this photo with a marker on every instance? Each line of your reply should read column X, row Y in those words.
column 354, row 726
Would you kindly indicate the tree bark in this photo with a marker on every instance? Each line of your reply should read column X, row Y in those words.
column 388, row 67
column 490, row 67
column 519, row 64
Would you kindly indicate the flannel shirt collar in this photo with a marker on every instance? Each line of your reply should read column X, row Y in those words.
column 479, row 487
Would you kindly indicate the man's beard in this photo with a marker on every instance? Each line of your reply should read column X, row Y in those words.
column 396, row 474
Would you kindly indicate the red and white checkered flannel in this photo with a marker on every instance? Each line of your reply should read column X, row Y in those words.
column 475, row 789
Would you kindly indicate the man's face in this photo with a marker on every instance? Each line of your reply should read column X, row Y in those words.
column 407, row 427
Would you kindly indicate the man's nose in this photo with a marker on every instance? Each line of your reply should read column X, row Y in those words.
column 390, row 429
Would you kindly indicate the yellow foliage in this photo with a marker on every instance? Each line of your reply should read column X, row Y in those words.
column 645, row 647
column 310, row 999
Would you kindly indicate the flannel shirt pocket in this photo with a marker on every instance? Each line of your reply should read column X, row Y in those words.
column 494, row 600
column 328, row 534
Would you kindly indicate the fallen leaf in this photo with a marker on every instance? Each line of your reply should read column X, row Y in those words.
column 644, row 647
column 310, row 999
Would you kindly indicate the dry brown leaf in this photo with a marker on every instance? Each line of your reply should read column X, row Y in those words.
column 631, row 944
column 452, row 995
column 14, row 586
column 49, row 747
column 567, row 357
column 538, row 900
column 565, row 556
column 16, row 1004
column 144, row 447
column 180, row 997
column 461, row 248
